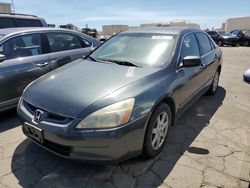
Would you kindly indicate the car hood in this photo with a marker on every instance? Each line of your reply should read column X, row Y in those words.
column 70, row 89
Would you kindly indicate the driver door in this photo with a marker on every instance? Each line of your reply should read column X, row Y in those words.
column 188, row 77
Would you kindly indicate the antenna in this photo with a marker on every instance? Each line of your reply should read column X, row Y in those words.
column 13, row 7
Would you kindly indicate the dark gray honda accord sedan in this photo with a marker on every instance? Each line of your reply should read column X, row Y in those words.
column 120, row 101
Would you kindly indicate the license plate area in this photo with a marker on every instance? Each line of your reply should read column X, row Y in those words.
column 33, row 132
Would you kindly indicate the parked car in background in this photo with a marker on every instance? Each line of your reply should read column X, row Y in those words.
column 218, row 39
column 223, row 38
column 28, row 53
column 243, row 35
column 229, row 39
column 11, row 20
column 121, row 100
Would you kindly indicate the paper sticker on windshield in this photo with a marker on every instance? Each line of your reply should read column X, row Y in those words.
column 162, row 37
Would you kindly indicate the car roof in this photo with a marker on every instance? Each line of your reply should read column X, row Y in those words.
column 163, row 30
column 8, row 31
column 16, row 15
column 5, row 33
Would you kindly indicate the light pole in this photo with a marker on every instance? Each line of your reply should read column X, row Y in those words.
column 13, row 7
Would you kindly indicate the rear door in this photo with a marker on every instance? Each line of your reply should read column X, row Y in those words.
column 209, row 58
column 25, row 61
column 66, row 47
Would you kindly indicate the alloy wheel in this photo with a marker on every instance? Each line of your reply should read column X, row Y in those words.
column 160, row 130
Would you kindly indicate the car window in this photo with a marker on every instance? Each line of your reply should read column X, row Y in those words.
column 7, row 23
column 22, row 46
column 211, row 32
column 189, row 47
column 28, row 23
column 235, row 32
column 86, row 43
column 204, row 43
column 63, row 41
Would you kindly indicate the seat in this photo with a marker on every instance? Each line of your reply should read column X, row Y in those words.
column 20, row 49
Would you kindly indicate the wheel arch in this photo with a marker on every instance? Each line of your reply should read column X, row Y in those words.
column 219, row 69
column 169, row 101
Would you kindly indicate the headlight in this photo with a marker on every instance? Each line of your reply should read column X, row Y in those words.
column 110, row 116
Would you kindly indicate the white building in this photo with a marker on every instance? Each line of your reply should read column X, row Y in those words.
column 150, row 25
column 5, row 8
column 238, row 23
column 178, row 23
column 112, row 29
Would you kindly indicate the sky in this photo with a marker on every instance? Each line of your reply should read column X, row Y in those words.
column 95, row 13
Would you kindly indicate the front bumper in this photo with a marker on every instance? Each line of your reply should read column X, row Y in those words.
column 110, row 145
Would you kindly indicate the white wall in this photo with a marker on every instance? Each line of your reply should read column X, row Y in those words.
column 238, row 23
column 5, row 8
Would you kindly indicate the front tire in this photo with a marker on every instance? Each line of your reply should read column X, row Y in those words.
column 246, row 43
column 213, row 87
column 157, row 131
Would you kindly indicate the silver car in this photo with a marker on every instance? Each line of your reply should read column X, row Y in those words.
column 28, row 53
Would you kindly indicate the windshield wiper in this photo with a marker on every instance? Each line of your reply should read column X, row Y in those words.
column 97, row 60
column 120, row 62
column 92, row 58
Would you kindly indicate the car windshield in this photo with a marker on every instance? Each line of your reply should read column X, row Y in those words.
column 137, row 48
column 225, row 33
column 234, row 33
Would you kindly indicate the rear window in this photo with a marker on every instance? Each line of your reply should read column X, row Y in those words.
column 211, row 32
column 17, row 22
column 28, row 23
column 7, row 23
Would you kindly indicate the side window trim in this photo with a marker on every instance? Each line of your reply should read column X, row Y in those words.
column 45, row 43
column 198, row 44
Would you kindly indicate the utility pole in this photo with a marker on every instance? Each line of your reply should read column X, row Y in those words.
column 13, row 7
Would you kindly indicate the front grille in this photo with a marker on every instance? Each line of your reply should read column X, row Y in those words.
column 49, row 117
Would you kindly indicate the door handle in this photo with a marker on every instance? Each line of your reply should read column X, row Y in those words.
column 42, row 64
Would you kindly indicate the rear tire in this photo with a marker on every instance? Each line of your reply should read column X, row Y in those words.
column 157, row 131
column 246, row 43
column 213, row 87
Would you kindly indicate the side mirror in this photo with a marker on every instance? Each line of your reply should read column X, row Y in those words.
column 191, row 61
column 2, row 57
